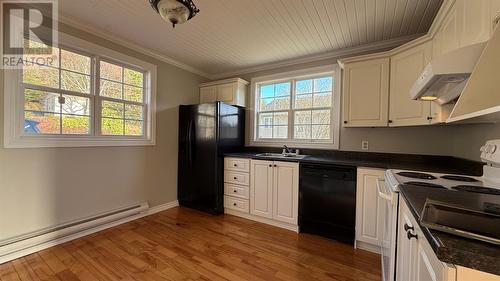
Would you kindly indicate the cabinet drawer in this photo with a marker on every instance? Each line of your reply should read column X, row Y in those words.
column 236, row 178
column 239, row 191
column 236, row 204
column 237, row 164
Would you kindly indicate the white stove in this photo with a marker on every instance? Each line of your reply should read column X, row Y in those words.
column 489, row 183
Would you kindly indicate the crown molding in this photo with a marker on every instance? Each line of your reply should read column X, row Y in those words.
column 133, row 46
column 336, row 54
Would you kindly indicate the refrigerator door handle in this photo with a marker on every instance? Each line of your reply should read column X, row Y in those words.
column 191, row 140
column 189, row 143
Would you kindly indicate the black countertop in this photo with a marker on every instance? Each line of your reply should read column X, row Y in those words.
column 428, row 163
column 449, row 248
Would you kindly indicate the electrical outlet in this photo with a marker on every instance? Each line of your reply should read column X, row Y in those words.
column 364, row 145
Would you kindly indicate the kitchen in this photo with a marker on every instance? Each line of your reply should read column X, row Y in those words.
column 385, row 153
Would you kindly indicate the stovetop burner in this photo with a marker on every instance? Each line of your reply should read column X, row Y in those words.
column 459, row 178
column 425, row 184
column 416, row 175
column 477, row 189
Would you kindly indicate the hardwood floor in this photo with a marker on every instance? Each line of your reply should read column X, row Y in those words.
column 182, row 244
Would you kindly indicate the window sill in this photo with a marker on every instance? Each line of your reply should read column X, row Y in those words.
column 47, row 141
column 300, row 145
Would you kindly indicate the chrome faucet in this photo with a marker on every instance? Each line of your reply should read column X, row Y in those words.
column 286, row 149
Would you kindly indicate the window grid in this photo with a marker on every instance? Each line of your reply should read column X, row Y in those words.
column 60, row 92
column 122, row 101
column 292, row 110
column 93, row 96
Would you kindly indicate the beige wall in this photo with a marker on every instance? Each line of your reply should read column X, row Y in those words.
column 453, row 140
column 45, row 187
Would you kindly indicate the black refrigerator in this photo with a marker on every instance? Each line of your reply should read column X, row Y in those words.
column 206, row 132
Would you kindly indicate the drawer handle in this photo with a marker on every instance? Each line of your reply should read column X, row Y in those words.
column 407, row 227
column 234, row 204
column 411, row 235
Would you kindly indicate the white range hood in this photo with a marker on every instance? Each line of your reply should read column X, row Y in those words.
column 445, row 77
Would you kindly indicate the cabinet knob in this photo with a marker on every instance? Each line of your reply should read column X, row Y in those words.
column 429, row 118
column 235, row 191
column 407, row 227
column 411, row 235
column 270, row 165
column 275, row 165
column 390, row 121
column 236, row 165
column 345, row 122
column 235, row 178
column 234, row 204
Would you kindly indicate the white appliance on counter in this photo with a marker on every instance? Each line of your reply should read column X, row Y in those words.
column 489, row 183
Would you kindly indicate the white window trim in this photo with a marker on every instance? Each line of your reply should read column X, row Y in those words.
column 13, row 105
column 304, row 73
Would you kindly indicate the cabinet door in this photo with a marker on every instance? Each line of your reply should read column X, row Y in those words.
column 369, row 207
column 208, row 94
column 446, row 39
column 366, row 93
column 474, row 23
column 407, row 248
column 286, row 192
column 261, row 188
column 495, row 13
column 226, row 92
column 406, row 67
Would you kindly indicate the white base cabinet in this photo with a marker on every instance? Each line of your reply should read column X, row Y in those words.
column 369, row 210
column 236, row 184
column 416, row 260
column 274, row 190
column 272, row 195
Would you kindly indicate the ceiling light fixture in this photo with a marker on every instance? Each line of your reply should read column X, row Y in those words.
column 175, row 11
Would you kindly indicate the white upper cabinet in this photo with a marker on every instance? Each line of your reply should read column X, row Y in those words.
column 231, row 91
column 208, row 94
column 494, row 13
column 446, row 39
column 366, row 93
column 406, row 67
column 474, row 21
column 468, row 22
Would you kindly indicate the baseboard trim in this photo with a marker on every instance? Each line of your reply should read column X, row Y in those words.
column 367, row 247
column 247, row 216
column 26, row 248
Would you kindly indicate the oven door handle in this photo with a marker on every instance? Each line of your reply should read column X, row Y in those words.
column 382, row 194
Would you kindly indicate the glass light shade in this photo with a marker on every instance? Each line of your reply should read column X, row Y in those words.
column 173, row 11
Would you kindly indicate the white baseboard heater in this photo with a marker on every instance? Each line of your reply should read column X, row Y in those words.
column 29, row 243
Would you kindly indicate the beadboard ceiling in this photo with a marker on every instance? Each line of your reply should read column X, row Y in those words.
column 237, row 36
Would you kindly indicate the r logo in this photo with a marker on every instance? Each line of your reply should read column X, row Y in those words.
column 34, row 20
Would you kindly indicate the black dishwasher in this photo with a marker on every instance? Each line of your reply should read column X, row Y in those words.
column 327, row 201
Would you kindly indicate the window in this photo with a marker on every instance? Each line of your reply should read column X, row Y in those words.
column 122, row 100
column 302, row 109
column 86, row 96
